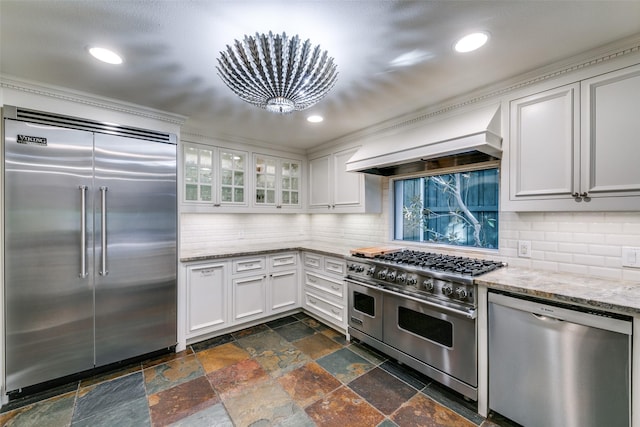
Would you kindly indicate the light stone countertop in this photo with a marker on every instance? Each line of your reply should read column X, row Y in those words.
column 605, row 294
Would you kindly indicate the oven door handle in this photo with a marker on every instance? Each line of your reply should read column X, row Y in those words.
column 471, row 314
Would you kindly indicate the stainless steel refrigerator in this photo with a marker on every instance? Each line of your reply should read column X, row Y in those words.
column 89, row 244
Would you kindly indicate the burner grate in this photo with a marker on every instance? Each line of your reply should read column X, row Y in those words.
column 440, row 262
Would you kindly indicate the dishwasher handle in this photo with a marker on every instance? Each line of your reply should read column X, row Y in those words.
column 566, row 313
column 544, row 318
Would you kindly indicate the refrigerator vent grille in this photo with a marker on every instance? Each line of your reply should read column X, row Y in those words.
column 92, row 126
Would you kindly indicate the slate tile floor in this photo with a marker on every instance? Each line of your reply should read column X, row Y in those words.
column 292, row 371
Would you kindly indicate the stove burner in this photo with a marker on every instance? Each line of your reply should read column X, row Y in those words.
column 439, row 262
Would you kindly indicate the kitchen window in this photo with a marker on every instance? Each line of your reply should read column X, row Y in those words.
column 458, row 208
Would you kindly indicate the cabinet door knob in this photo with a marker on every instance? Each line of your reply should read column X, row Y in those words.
column 581, row 196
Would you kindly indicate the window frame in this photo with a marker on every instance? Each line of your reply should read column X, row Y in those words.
column 493, row 164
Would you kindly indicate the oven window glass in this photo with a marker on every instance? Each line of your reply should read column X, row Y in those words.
column 364, row 303
column 431, row 328
column 459, row 209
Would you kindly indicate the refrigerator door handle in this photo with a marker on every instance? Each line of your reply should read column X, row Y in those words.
column 103, row 266
column 83, row 231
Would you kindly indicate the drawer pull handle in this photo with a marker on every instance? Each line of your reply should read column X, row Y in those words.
column 312, row 280
column 335, row 288
column 312, row 301
column 334, row 311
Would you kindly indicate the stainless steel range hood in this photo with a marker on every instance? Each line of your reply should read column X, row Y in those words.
column 467, row 137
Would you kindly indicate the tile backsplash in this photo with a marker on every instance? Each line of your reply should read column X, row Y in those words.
column 584, row 243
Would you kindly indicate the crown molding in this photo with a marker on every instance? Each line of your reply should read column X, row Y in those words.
column 492, row 93
column 234, row 142
column 64, row 94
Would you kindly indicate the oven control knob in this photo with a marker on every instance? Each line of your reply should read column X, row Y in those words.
column 352, row 267
column 461, row 293
column 382, row 274
column 447, row 290
column 371, row 270
column 412, row 281
column 392, row 276
column 402, row 278
column 428, row 285
column 360, row 268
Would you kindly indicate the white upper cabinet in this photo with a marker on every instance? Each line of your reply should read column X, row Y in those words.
column 611, row 135
column 214, row 176
column 320, row 182
column 576, row 147
column 333, row 189
column 545, row 144
column 278, row 182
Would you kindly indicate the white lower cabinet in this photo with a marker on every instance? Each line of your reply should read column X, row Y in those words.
column 325, row 294
column 207, row 299
column 249, row 298
column 283, row 283
column 263, row 286
column 225, row 294
column 327, row 309
column 283, row 291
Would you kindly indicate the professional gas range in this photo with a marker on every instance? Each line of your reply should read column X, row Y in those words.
column 420, row 308
column 445, row 279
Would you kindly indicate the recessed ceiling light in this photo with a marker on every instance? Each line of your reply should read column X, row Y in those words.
column 315, row 119
column 105, row 55
column 471, row 42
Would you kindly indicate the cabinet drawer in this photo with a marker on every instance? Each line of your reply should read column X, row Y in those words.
column 335, row 266
column 324, row 307
column 324, row 284
column 284, row 260
column 249, row 265
column 312, row 260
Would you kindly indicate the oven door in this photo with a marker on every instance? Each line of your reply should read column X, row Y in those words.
column 365, row 309
column 441, row 338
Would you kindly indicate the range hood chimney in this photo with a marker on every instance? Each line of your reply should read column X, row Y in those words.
column 463, row 138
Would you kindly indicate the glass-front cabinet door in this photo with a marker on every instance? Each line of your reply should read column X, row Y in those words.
column 266, row 175
column 214, row 176
column 198, row 174
column 290, row 183
column 277, row 182
column 233, row 166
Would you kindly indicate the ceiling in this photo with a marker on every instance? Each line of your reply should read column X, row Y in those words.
column 171, row 49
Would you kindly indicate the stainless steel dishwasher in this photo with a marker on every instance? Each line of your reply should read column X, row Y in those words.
column 555, row 365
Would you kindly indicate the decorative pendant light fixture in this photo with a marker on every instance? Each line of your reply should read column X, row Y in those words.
column 276, row 72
